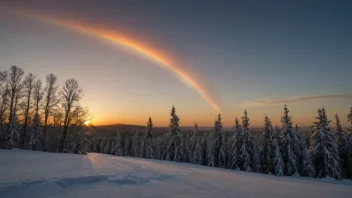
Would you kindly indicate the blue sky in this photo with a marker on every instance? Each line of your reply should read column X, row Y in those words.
column 239, row 50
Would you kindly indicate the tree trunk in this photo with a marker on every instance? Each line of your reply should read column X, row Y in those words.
column 12, row 100
column 64, row 135
column 26, row 120
column 46, row 116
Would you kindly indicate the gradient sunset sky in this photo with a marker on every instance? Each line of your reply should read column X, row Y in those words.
column 136, row 59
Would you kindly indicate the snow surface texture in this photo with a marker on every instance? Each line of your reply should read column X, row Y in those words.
column 38, row 174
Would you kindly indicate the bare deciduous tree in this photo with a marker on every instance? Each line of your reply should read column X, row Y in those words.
column 37, row 95
column 3, row 96
column 14, row 82
column 51, row 100
column 4, row 105
column 28, row 85
column 71, row 93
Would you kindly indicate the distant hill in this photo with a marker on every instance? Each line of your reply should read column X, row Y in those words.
column 110, row 130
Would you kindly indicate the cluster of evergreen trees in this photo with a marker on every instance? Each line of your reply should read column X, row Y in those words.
column 282, row 151
column 39, row 116
column 43, row 117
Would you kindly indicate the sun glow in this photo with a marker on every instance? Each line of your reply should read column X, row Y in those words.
column 87, row 122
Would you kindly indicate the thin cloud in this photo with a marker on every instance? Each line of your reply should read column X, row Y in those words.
column 270, row 102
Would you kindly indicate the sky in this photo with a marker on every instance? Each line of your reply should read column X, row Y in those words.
column 136, row 59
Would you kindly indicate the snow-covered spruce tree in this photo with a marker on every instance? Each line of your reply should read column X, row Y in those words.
column 243, row 146
column 193, row 143
column 235, row 147
column 99, row 145
column 229, row 141
column 267, row 147
column 296, row 128
column 302, row 146
column 107, row 146
column 290, row 145
column 349, row 155
column 70, row 144
column 278, row 160
column 112, row 147
column 302, row 138
column 143, row 146
column 102, row 145
column 118, row 145
column 13, row 135
column 127, row 146
column 349, row 145
column 246, row 149
column 146, row 141
column 276, row 132
column 185, row 147
column 307, row 168
column 94, row 145
column 34, row 138
column 305, row 137
column 216, row 157
column 340, row 141
column 224, row 154
column 136, row 145
column 206, row 145
column 156, row 141
column 174, row 151
column 149, row 143
column 200, row 152
column 160, row 147
column 349, row 118
column 326, row 160
column 256, row 161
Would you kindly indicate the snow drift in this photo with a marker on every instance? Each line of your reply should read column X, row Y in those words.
column 38, row 174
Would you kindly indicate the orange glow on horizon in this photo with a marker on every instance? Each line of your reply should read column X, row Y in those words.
column 121, row 40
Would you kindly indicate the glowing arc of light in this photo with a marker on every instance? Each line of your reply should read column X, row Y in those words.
column 123, row 41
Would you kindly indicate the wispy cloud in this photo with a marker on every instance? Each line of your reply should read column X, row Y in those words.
column 270, row 102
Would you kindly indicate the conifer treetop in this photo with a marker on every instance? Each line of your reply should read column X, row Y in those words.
column 349, row 116
column 286, row 120
column 245, row 120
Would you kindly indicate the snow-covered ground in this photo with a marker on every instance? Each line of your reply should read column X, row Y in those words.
column 38, row 174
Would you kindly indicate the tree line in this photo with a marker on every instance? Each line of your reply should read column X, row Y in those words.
column 278, row 150
column 39, row 115
column 42, row 116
